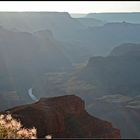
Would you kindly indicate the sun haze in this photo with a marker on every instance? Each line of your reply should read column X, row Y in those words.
column 72, row 6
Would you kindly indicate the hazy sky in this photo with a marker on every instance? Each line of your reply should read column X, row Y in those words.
column 71, row 6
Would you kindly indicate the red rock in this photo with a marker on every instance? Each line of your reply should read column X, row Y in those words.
column 63, row 116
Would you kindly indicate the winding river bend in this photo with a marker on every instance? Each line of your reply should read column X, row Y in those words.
column 30, row 93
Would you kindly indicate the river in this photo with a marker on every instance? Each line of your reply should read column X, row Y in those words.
column 30, row 93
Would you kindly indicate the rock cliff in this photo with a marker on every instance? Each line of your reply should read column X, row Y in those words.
column 63, row 117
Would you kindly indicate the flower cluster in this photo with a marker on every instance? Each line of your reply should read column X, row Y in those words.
column 12, row 129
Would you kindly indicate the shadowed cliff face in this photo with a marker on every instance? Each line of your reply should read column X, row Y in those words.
column 118, row 72
column 115, row 80
column 63, row 116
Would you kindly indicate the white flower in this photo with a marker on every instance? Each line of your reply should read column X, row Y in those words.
column 14, row 123
column 33, row 130
column 48, row 137
column 1, row 116
column 9, row 117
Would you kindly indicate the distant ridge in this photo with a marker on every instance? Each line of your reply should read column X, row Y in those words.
column 132, row 17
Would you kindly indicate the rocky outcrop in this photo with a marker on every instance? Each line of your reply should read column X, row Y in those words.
column 63, row 117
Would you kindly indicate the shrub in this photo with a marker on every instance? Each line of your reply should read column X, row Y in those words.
column 12, row 129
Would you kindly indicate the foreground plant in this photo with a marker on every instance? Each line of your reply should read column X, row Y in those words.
column 10, row 128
